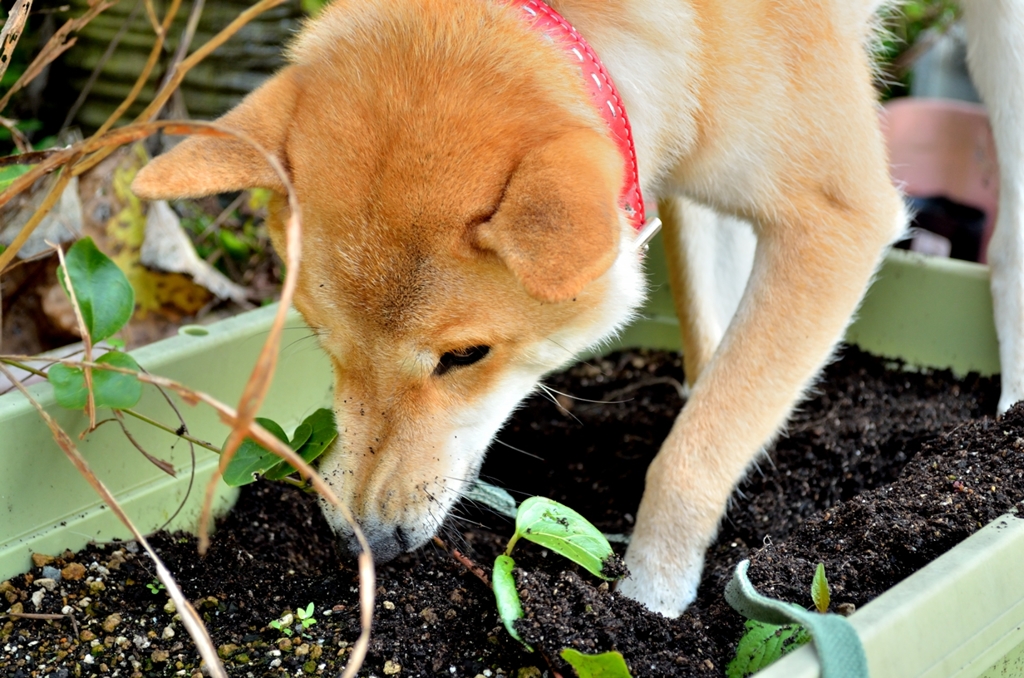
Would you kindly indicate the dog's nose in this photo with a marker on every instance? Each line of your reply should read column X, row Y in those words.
column 386, row 543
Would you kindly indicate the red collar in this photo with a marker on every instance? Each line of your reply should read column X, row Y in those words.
column 602, row 93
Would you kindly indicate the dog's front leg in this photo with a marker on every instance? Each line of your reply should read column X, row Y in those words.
column 995, row 38
column 709, row 259
column 814, row 258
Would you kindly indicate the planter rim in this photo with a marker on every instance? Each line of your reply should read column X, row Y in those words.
column 922, row 287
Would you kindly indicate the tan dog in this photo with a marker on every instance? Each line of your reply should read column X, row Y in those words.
column 462, row 236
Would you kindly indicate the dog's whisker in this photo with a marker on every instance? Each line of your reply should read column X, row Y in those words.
column 587, row 400
column 559, row 405
column 516, row 449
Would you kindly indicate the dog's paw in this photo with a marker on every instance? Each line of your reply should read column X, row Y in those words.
column 1008, row 399
column 662, row 582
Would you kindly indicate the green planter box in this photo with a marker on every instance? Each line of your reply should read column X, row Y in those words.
column 961, row 616
column 46, row 506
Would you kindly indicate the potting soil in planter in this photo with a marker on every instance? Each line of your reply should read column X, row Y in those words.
column 879, row 472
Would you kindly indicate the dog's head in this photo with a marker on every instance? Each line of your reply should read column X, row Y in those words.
column 460, row 234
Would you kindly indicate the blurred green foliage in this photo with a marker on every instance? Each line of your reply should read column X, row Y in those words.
column 235, row 240
column 909, row 28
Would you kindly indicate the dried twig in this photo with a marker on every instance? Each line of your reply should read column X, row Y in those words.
column 185, row 43
column 98, row 68
column 164, row 466
column 230, row 417
column 151, row 60
column 54, row 47
column 12, row 30
column 193, row 624
column 465, row 561
column 184, row 435
column 83, row 329
column 19, row 138
column 28, row 158
column 178, row 75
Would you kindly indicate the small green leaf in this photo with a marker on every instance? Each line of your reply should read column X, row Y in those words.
column 493, row 496
column 604, row 665
column 565, row 532
column 10, row 173
column 819, row 589
column 251, row 459
column 762, row 645
column 504, row 585
column 316, row 432
column 301, row 434
column 103, row 292
column 115, row 390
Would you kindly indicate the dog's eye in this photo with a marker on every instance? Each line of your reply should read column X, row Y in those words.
column 460, row 358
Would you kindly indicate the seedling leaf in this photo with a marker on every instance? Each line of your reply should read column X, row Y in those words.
column 820, row 593
column 251, row 459
column 762, row 645
column 115, row 390
column 839, row 648
column 504, row 585
column 103, row 292
column 567, row 533
column 301, row 434
column 604, row 665
column 494, row 497
column 312, row 438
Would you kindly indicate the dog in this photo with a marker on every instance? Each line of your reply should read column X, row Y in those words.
column 465, row 230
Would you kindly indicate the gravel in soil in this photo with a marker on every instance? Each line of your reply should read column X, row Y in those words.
column 880, row 471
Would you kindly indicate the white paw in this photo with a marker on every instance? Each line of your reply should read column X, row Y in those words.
column 1007, row 399
column 662, row 581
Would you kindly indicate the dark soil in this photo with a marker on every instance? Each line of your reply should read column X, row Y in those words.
column 881, row 471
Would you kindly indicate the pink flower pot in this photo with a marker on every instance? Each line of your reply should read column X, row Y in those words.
column 940, row 147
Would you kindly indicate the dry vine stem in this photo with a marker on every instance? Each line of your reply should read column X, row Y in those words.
column 102, row 150
column 11, row 33
column 55, row 46
column 367, row 577
column 242, row 422
column 189, row 617
column 90, row 404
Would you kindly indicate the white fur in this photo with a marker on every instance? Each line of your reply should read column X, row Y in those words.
column 995, row 52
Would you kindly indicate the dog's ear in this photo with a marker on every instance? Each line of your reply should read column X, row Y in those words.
column 204, row 165
column 557, row 227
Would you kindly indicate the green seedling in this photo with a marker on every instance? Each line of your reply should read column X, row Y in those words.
column 560, row 529
column 285, row 622
column 155, row 586
column 306, row 616
column 763, row 644
column 604, row 665
column 310, row 439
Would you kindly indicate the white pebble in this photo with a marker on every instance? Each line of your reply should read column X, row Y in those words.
column 168, row 633
column 37, row 598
